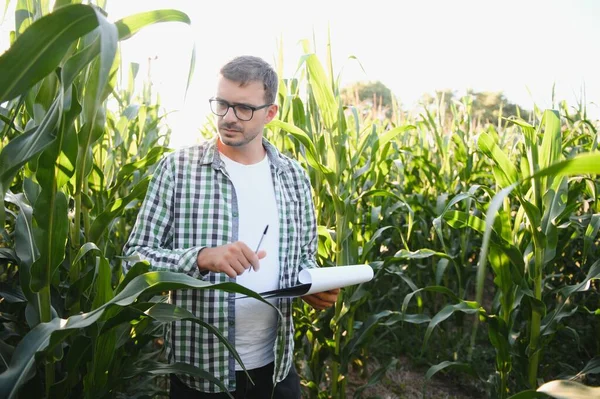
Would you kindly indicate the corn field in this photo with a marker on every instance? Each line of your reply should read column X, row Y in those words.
column 484, row 237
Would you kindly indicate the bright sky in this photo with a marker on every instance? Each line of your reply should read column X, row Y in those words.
column 414, row 47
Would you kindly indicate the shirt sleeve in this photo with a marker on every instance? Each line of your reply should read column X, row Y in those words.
column 309, row 226
column 152, row 235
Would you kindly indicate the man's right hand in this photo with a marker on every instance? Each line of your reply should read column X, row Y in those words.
column 231, row 259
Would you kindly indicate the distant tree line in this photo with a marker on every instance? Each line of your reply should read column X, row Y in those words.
column 378, row 99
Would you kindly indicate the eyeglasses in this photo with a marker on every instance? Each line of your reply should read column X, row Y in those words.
column 242, row 111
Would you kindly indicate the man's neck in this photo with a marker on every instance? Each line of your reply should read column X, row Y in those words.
column 246, row 155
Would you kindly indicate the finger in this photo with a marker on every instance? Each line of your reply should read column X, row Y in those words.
column 246, row 251
column 238, row 267
column 249, row 256
column 327, row 297
column 261, row 254
column 228, row 270
column 315, row 302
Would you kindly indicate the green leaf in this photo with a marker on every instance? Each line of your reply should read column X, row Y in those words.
column 555, row 202
column 321, row 89
column 492, row 212
column 116, row 209
column 126, row 171
column 51, row 215
column 167, row 313
column 550, row 150
column 592, row 367
column 67, row 157
column 433, row 288
column 529, row 394
column 467, row 307
column 94, row 113
column 11, row 294
column 459, row 219
column 137, row 269
column 156, row 368
column 24, row 147
column 25, row 247
column 47, row 335
column 40, row 49
column 557, row 314
column 591, row 232
column 408, row 318
column 462, row 367
column 390, row 135
column 490, row 148
column 551, row 140
column 361, row 335
column 587, row 163
column 78, row 352
column 76, row 63
column 376, row 376
column 103, row 286
column 85, row 248
column 500, row 264
column 50, row 212
column 104, row 353
column 302, row 137
column 129, row 26
column 420, row 254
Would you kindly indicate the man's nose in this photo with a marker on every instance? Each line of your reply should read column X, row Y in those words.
column 230, row 115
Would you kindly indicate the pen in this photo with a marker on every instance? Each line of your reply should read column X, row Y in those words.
column 260, row 241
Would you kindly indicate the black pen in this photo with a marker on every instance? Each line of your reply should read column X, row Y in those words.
column 261, row 240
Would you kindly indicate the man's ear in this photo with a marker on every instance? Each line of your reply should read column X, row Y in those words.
column 271, row 113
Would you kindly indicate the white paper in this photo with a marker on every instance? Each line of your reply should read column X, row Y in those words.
column 328, row 278
column 315, row 280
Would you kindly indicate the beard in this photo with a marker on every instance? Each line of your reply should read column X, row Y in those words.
column 236, row 136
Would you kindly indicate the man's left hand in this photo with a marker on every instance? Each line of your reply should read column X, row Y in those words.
column 322, row 300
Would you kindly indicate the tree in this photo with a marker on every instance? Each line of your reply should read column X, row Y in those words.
column 369, row 97
column 486, row 106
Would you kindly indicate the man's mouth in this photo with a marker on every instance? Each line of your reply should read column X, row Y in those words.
column 229, row 129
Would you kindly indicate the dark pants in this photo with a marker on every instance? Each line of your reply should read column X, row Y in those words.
column 289, row 388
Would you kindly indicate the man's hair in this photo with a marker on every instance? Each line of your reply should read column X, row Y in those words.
column 246, row 69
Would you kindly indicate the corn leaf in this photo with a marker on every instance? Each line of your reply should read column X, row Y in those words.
column 40, row 49
column 462, row 367
column 467, row 307
column 48, row 335
column 129, row 26
column 591, row 232
column 507, row 173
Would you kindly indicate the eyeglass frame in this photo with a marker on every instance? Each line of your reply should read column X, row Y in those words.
column 232, row 106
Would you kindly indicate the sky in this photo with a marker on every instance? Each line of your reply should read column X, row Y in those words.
column 521, row 48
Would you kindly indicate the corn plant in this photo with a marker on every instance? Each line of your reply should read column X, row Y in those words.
column 72, row 170
column 527, row 223
column 347, row 160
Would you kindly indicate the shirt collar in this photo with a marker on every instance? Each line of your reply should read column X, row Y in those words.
column 212, row 155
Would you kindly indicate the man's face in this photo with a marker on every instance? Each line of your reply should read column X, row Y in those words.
column 233, row 131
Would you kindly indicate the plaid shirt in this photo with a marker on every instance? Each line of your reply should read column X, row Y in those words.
column 191, row 204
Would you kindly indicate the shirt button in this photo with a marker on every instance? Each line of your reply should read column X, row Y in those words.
column 235, row 214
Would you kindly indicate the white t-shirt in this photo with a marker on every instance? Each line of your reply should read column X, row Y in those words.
column 256, row 322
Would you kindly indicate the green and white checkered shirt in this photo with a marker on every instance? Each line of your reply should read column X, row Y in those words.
column 191, row 204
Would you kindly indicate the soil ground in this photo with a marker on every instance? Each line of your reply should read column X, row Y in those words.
column 406, row 381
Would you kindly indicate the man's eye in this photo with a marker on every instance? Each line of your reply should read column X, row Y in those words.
column 243, row 110
column 222, row 105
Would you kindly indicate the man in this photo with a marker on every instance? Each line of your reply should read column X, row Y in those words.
column 207, row 211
